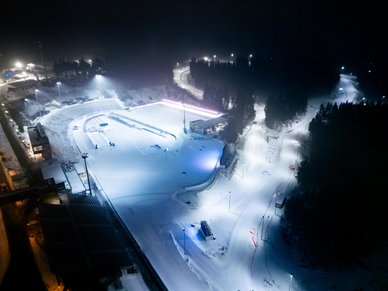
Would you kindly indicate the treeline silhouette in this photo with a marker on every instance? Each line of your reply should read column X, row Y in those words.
column 282, row 107
column 226, row 88
column 67, row 69
column 338, row 213
column 283, row 84
column 373, row 79
column 140, row 69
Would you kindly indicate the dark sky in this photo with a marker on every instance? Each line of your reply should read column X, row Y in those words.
column 321, row 29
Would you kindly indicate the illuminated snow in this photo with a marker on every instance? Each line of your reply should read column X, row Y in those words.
column 146, row 184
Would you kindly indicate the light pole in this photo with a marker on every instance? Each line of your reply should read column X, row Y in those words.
column 59, row 89
column 28, row 115
column 85, row 156
column 37, row 101
column 184, row 241
column 291, row 277
column 184, row 118
column 230, row 199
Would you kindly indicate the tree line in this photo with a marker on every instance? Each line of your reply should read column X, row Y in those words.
column 225, row 90
column 282, row 84
column 67, row 69
column 373, row 79
column 337, row 214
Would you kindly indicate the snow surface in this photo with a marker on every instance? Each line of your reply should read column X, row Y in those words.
column 149, row 177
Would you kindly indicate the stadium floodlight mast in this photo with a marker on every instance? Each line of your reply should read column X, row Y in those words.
column 28, row 115
column 59, row 89
column 291, row 277
column 37, row 101
column 85, row 156
column 18, row 65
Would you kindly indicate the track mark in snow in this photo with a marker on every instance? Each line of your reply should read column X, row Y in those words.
column 193, row 267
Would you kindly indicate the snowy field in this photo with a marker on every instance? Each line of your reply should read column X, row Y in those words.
column 163, row 183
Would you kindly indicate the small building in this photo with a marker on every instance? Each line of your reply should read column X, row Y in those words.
column 24, row 88
column 39, row 141
column 205, row 230
column 208, row 127
column 280, row 199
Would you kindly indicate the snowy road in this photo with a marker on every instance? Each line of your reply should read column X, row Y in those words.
column 181, row 75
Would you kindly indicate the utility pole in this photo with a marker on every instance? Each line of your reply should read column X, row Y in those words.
column 230, row 198
column 184, row 118
column 59, row 89
column 28, row 115
column 85, row 156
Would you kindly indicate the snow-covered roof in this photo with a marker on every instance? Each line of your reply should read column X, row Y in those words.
column 52, row 169
column 22, row 84
column 208, row 123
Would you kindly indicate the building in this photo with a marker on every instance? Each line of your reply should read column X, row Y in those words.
column 208, row 127
column 20, row 88
column 205, row 230
column 39, row 141
column 82, row 242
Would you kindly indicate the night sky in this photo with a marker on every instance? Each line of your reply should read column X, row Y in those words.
column 338, row 31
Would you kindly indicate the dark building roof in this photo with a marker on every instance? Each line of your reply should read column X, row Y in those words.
column 22, row 84
column 80, row 237
column 209, row 122
column 37, row 135
column 206, row 228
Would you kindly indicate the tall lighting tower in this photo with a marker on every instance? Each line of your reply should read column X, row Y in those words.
column 37, row 101
column 85, row 156
column 59, row 89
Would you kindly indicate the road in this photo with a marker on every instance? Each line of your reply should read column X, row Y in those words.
column 4, row 249
column 181, row 75
column 22, row 273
